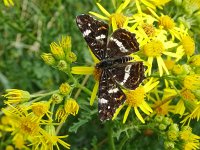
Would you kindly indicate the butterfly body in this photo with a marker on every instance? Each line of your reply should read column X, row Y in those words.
column 116, row 69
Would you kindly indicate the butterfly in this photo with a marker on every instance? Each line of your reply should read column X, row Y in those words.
column 116, row 69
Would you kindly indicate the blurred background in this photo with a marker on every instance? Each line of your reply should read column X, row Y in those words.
column 26, row 31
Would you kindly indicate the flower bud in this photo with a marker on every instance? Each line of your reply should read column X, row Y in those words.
column 162, row 126
column 48, row 59
column 56, row 98
column 62, row 65
column 71, row 57
column 65, row 89
column 172, row 135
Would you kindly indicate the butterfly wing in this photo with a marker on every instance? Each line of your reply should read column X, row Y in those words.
column 110, row 96
column 129, row 74
column 95, row 33
column 121, row 43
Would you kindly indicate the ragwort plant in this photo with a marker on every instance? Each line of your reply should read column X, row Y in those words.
column 165, row 104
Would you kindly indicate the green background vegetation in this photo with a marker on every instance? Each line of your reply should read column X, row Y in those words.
column 21, row 66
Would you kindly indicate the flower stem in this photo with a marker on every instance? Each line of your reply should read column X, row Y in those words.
column 86, row 90
column 110, row 136
column 43, row 94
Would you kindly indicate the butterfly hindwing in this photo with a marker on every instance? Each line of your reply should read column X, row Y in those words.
column 95, row 33
column 129, row 74
column 110, row 96
column 121, row 43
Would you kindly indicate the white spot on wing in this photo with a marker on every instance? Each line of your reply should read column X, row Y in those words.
column 113, row 90
column 103, row 101
column 102, row 36
column 86, row 32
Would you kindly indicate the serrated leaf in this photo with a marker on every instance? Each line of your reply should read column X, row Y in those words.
column 77, row 125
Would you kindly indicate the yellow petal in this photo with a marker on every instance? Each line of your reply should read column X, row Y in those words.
column 82, row 70
column 160, row 65
column 103, row 10
column 114, row 24
column 150, row 61
column 149, row 87
column 122, row 6
column 144, row 109
column 153, row 13
column 148, row 4
column 126, row 113
column 163, row 65
column 98, row 15
column 147, row 106
column 138, row 115
column 117, row 111
column 138, row 6
column 94, row 93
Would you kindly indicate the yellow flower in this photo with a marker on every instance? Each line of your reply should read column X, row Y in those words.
column 188, row 45
column 16, row 96
column 65, row 43
column 156, row 49
column 195, row 61
column 57, row 51
column 48, row 59
column 192, row 82
column 136, row 99
column 162, row 108
column 18, row 141
column 8, row 3
column 117, row 19
column 65, row 89
column 40, row 109
column 9, row 147
column 154, row 3
column 61, row 114
column 71, row 106
column 50, row 140
column 191, row 141
column 194, row 113
column 167, row 23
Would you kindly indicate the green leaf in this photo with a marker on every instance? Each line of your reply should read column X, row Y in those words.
column 77, row 125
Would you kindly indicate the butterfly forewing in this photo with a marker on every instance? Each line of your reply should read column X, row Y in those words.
column 121, row 43
column 128, row 75
column 110, row 96
column 95, row 33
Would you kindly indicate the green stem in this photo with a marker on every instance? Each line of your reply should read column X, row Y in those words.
column 86, row 90
column 110, row 137
column 123, row 142
column 43, row 94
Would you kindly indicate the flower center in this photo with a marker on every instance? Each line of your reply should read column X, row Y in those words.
column 119, row 18
column 29, row 126
column 188, row 45
column 188, row 95
column 149, row 29
column 136, row 97
column 153, row 49
column 97, row 73
column 192, row 82
column 162, row 109
column 167, row 22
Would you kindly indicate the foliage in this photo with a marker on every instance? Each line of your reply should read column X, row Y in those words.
column 53, row 105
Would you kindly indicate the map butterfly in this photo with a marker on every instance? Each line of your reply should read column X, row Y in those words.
column 116, row 70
